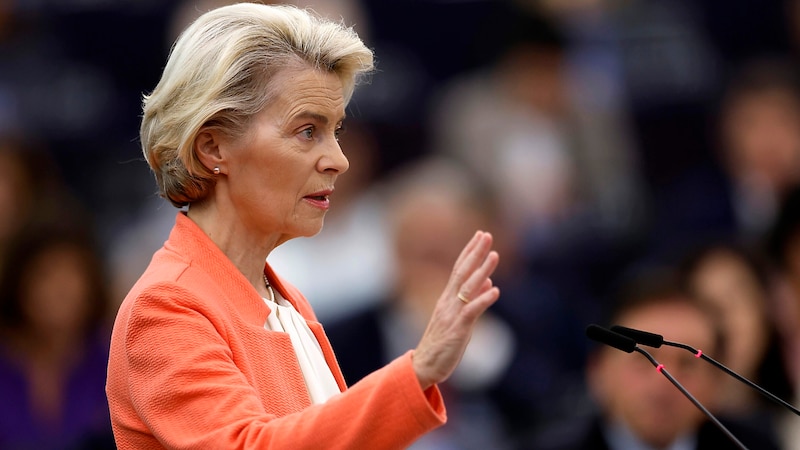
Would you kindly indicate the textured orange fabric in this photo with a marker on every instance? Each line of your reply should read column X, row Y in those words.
column 192, row 366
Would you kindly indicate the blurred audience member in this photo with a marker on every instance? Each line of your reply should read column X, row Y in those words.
column 784, row 248
column 543, row 384
column 735, row 283
column 638, row 408
column 756, row 160
column 525, row 126
column 558, row 160
column 53, row 342
column 760, row 140
column 433, row 208
column 508, row 125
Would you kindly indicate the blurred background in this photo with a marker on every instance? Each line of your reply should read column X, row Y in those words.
column 597, row 139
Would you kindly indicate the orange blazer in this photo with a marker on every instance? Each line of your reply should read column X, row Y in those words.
column 192, row 366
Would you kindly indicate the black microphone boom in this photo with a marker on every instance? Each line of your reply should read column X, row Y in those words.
column 628, row 345
column 656, row 340
column 641, row 337
column 610, row 338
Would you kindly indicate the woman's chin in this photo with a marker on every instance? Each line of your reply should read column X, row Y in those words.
column 309, row 230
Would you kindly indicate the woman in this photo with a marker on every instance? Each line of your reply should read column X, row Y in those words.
column 211, row 348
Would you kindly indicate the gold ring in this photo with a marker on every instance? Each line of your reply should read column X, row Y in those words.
column 462, row 297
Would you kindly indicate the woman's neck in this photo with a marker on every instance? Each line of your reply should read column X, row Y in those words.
column 246, row 251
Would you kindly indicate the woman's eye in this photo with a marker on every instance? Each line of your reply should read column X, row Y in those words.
column 308, row 133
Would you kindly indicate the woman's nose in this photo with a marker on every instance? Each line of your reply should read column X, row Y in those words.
column 334, row 159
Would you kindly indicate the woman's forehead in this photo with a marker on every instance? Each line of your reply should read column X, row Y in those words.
column 309, row 92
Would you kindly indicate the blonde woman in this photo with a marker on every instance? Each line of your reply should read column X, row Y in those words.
column 211, row 348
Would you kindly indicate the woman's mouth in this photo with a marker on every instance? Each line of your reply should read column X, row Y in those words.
column 320, row 199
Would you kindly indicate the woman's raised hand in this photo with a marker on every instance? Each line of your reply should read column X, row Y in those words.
column 468, row 294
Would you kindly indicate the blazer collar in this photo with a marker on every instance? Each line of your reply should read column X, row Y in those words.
column 189, row 240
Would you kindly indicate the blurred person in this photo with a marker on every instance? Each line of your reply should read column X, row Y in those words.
column 211, row 348
column 543, row 384
column 736, row 283
column 555, row 152
column 508, row 124
column 784, row 250
column 433, row 205
column 637, row 407
column 559, row 164
column 522, row 366
column 755, row 161
column 760, row 141
column 54, row 342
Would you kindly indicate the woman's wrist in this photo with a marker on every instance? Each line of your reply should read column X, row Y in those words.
column 425, row 381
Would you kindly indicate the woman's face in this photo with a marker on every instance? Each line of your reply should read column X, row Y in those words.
column 280, row 174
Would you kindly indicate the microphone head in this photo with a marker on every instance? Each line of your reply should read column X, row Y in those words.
column 641, row 337
column 608, row 337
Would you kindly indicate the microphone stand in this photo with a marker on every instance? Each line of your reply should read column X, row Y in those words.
column 700, row 354
column 628, row 345
column 656, row 340
column 660, row 368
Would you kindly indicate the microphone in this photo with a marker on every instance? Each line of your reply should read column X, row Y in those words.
column 656, row 340
column 628, row 345
column 641, row 337
column 610, row 338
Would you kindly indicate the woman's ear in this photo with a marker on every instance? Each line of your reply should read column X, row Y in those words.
column 206, row 147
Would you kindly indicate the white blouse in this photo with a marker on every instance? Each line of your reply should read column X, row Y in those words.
column 318, row 376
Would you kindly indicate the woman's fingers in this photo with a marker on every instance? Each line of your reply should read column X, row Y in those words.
column 484, row 295
column 468, row 294
column 471, row 280
column 469, row 247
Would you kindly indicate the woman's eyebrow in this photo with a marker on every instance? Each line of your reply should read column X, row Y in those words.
column 321, row 118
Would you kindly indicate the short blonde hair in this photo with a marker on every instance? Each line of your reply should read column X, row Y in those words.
column 218, row 75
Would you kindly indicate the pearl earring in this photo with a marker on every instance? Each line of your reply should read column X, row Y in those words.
column 216, row 170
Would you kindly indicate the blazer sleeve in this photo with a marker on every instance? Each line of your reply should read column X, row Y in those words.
column 187, row 390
